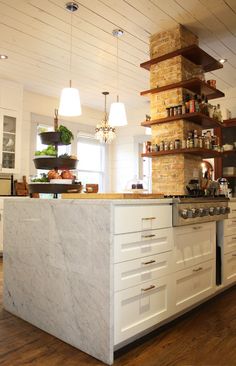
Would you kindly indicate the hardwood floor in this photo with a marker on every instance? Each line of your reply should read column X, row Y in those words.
column 204, row 337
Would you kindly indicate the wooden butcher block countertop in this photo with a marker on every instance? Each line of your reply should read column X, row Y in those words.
column 111, row 195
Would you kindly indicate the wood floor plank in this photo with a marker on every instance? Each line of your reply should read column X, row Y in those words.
column 204, row 337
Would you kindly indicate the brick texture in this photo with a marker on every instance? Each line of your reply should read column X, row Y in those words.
column 171, row 173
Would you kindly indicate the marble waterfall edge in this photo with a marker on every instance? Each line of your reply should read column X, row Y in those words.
column 57, row 270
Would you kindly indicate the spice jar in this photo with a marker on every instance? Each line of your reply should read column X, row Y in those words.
column 177, row 144
column 171, row 111
column 171, row 145
column 168, row 112
column 200, row 141
column 161, row 147
column 166, row 146
column 175, row 110
column 183, row 144
column 179, row 109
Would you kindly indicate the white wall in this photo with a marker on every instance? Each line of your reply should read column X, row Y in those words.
column 123, row 151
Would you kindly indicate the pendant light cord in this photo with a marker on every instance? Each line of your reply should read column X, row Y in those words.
column 70, row 62
column 117, row 69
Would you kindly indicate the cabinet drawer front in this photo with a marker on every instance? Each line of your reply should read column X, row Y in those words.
column 232, row 214
column 194, row 284
column 230, row 227
column 229, row 268
column 137, row 245
column 141, row 307
column 142, row 217
column 229, row 243
column 194, row 244
column 135, row 272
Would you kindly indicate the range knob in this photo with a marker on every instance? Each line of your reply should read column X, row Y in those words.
column 203, row 212
column 227, row 210
column 223, row 210
column 217, row 210
column 184, row 213
column 207, row 211
column 192, row 213
column 212, row 211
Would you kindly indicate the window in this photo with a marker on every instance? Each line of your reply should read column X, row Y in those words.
column 91, row 156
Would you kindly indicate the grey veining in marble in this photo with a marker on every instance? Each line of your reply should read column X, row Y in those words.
column 57, row 270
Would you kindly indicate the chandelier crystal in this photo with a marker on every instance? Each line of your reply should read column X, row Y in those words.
column 104, row 132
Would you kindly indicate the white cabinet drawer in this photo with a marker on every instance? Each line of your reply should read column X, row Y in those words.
column 141, row 307
column 232, row 214
column 141, row 217
column 137, row 245
column 135, row 272
column 229, row 268
column 194, row 284
column 229, row 243
column 230, row 227
column 194, row 244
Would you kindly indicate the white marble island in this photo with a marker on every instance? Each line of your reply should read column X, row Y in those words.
column 59, row 263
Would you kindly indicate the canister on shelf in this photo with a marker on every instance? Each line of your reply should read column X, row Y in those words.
column 161, row 146
column 168, row 112
column 166, row 146
column 171, row 145
column 183, row 144
column 177, row 144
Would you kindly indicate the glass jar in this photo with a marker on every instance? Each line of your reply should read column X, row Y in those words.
column 177, row 144
column 171, row 145
column 166, row 146
column 161, row 146
column 183, row 144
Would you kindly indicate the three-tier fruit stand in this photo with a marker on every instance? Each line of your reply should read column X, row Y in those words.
column 56, row 163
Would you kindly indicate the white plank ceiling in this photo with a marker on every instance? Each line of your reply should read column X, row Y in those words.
column 35, row 34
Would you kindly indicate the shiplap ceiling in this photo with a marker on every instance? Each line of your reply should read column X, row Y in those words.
column 35, row 34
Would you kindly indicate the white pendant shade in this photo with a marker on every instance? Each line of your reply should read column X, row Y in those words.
column 69, row 103
column 117, row 116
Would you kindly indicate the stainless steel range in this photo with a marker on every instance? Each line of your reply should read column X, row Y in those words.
column 187, row 210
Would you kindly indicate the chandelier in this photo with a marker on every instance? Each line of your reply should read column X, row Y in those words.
column 104, row 132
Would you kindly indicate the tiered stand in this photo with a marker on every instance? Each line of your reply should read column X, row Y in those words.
column 53, row 138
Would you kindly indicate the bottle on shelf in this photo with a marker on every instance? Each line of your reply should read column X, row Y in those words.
column 192, row 105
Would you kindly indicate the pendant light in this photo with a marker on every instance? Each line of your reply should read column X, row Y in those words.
column 104, row 132
column 70, row 98
column 117, row 116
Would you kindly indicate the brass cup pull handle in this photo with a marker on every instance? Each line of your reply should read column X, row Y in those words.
column 197, row 227
column 234, row 210
column 234, row 221
column 148, row 288
column 233, row 255
column 148, row 236
column 233, row 238
column 197, row 269
column 149, row 262
column 149, row 218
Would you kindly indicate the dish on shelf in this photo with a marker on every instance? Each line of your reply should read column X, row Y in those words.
column 61, row 181
column 228, row 147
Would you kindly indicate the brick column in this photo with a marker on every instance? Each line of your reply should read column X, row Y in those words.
column 171, row 173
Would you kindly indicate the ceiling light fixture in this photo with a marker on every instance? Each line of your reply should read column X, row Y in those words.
column 3, row 57
column 222, row 60
column 104, row 132
column 70, row 98
column 117, row 116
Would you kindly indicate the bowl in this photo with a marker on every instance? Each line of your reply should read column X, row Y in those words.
column 61, row 181
column 228, row 147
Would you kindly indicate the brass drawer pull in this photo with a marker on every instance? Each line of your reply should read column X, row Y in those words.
column 234, row 210
column 197, row 227
column 233, row 238
column 149, row 218
column 148, row 236
column 148, row 288
column 149, row 262
column 233, row 255
column 197, row 269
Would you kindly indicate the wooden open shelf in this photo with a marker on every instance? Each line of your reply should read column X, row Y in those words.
column 193, row 53
column 194, row 85
column 229, row 122
column 199, row 118
column 204, row 153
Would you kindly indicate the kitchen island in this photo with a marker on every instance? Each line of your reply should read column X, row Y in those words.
column 59, row 264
